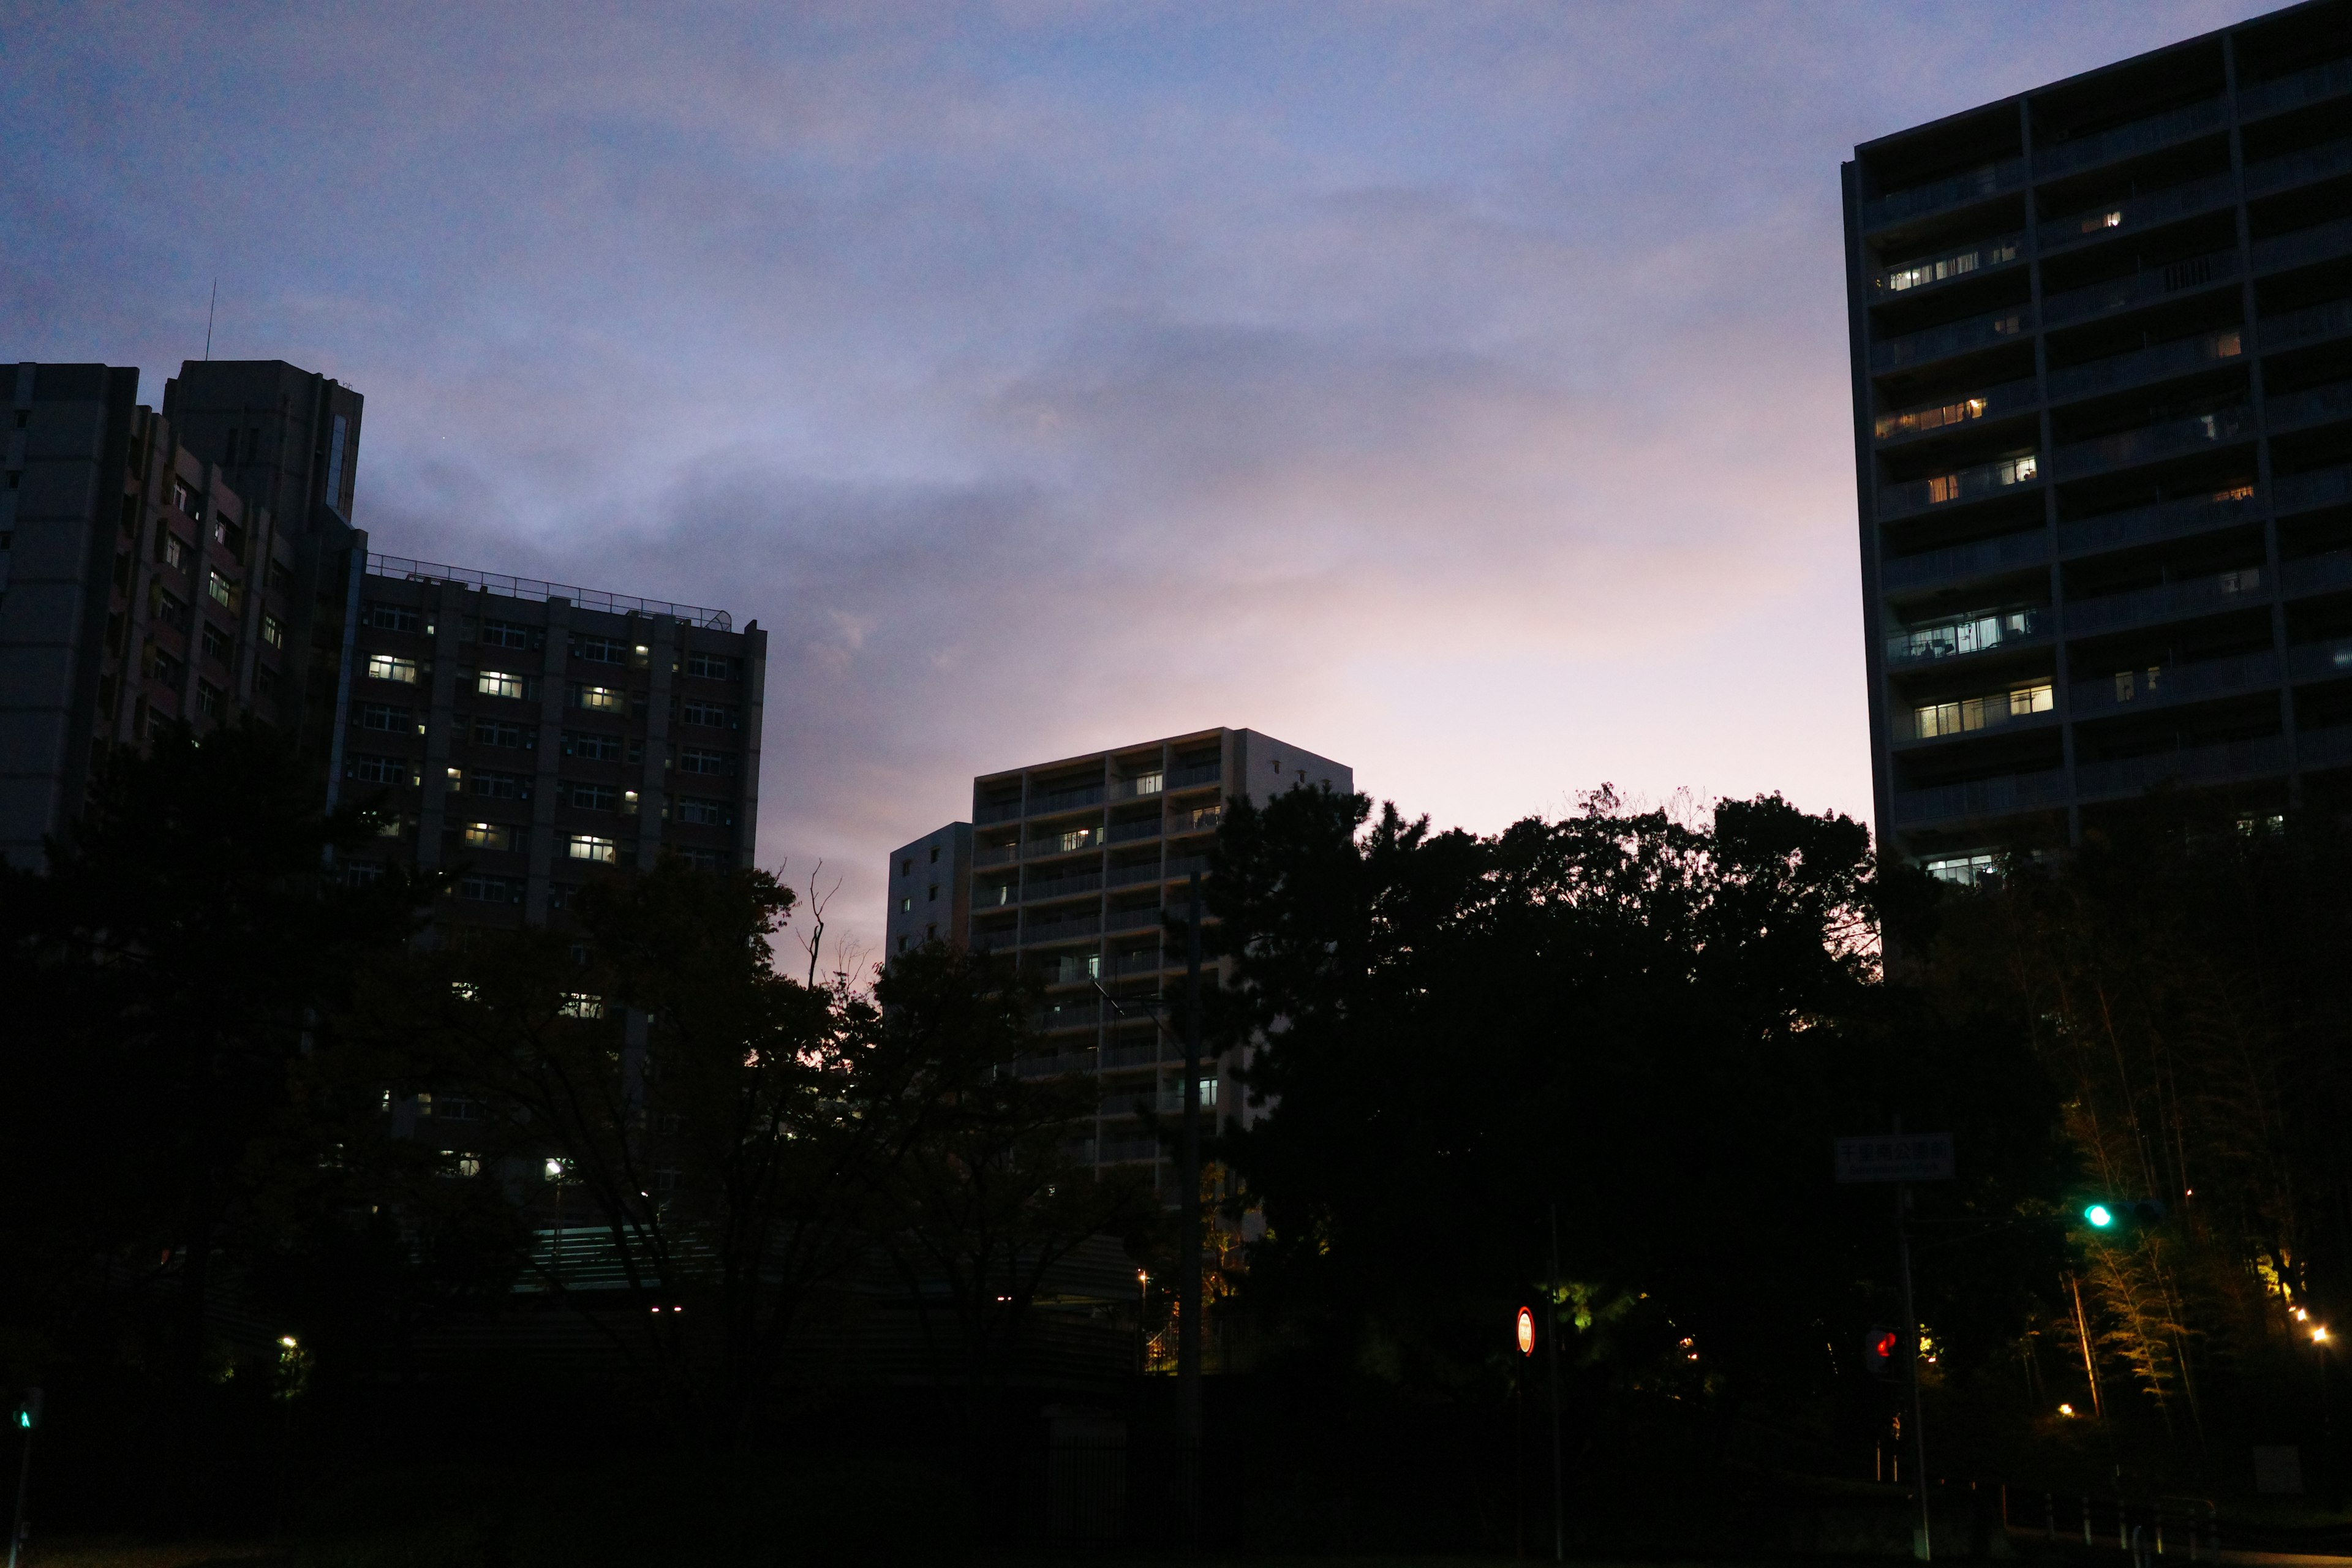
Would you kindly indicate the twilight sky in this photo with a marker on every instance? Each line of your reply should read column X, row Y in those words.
column 1458, row 390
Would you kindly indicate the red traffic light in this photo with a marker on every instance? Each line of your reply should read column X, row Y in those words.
column 1527, row 1333
column 1879, row 1349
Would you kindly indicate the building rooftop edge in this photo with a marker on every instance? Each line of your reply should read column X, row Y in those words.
column 498, row 583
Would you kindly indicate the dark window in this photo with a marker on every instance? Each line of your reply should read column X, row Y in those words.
column 701, row 860
column 490, row 890
column 378, row 770
column 935, row 854
column 387, row 617
column 594, row 747
column 264, row 681
column 600, row 650
column 710, row 666
column 716, row 714
column 507, row 634
column 705, row 813
column 209, row 698
column 361, row 873
column 498, row 786
column 933, row 896
column 694, row 760
column 593, row 797
column 504, row 732
column 217, row 643
column 385, row 716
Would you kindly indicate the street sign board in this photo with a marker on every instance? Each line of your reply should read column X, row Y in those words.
column 1895, row 1157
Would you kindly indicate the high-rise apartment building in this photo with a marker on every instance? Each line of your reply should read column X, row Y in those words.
column 1076, row 867
column 931, row 890
column 528, row 734
column 136, row 585
column 2102, row 359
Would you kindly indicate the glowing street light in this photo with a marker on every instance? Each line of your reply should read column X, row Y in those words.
column 2065, row 1410
column 2100, row 1216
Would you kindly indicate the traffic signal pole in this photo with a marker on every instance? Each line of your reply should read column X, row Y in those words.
column 1923, row 1547
column 29, row 1418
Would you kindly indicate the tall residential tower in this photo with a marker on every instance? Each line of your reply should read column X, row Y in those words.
column 2102, row 398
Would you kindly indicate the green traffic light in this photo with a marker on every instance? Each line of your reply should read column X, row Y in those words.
column 2100, row 1216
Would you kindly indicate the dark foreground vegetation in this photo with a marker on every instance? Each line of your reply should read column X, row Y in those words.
column 680, row 1257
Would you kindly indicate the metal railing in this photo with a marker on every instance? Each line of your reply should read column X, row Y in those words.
column 1996, row 797
column 1201, row 774
column 1081, row 841
column 2009, row 397
column 1128, row 832
column 2323, row 162
column 995, row 811
column 1066, row 800
column 2197, row 765
column 1069, row 1016
column 2198, row 596
column 1061, row 930
column 1128, row 876
column 2139, row 287
column 1143, row 785
column 2147, row 364
column 1973, row 716
column 994, row 854
column 1973, row 185
column 2123, row 140
column 2170, row 439
column 2303, row 87
column 1135, row 919
column 2320, row 660
column 1061, row 887
column 2316, row 243
column 2162, row 685
column 1980, row 631
column 1926, row 271
column 1973, row 559
column 508, row 587
column 2011, row 324
column 2166, row 519
column 1974, row 483
column 2305, row 326
column 2317, row 405
column 2135, row 213
column 2315, row 486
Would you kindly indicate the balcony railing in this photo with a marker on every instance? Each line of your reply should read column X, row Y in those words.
column 1140, row 964
column 1061, row 930
column 1078, row 841
column 2170, row 439
column 1975, row 559
column 1924, row 271
column 2317, row 487
column 2001, row 796
column 1140, row 785
column 1990, row 179
column 2306, row 326
column 1066, row 800
column 1055, row 1066
column 2316, row 405
column 2321, row 242
column 2133, row 214
column 2195, row 597
column 2330, row 746
column 1963, row 484
column 1968, row 716
column 2008, row 325
column 1182, row 866
column 1980, row 632
column 1205, row 820
column 1133, row 920
column 1128, row 832
column 1201, row 774
column 1993, row 402
column 2139, row 287
column 2161, row 685
column 2166, row 519
column 2322, row 573
column 1074, row 1015
column 1038, row 892
column 2321, row 661
column 995, row 811
column 2147, row 364
column 994, row 854
column 2123, row 140
column 2321, row 162
column 2303, row 87
column 2198, row 765
column 1130, row 875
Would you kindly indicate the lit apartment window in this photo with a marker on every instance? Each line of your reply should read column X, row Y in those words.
column 273, row 631
column 1975, row 712
column 599, row 698
column 499, row 683
column 384, row 667
column 460, row 1164
column 907, row 904
column 587, row 847
column 488, row 836
column 1963, row 870
column 222, row 591
column 581, row 1004
column 1147, row 784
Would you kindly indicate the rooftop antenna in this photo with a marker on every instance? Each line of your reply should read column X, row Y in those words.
column 208, row 321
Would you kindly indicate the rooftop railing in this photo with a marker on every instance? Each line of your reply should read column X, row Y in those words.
column 2323, row 162
column 2132, row 214
column 1975, row 559
column 2313, row 405
column 2161, row 685
column 531, row 588
column 2165, row 520
column 2198, row 765
column 2123, row 140
column 2195, row 597
column 2011, row 324
column 1926, row 271
column 2321, row 242
column 2009, row 397
column 2001, row 796
column 2182, row 277
column 2147, row 364
column 2170, row 439
column 1974, row 483
column 1972, row 184
column 2330, row 80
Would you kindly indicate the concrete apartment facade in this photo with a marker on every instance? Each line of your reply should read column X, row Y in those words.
column 1075, row 866
column 931, row 890
column 2103, row 403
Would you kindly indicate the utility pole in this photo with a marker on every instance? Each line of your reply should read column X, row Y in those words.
column 29, row 1418
column 1551, row 1359
column 1923, row 1547
column 1188, row 1309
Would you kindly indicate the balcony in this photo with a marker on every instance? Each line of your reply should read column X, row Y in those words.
column 1205, row 820
column 1134, row 919
column 1138, row 788
column 2323, row 162
column 2318, row 406
column 2166, row 519
column 1192, row 777
column 1130, row 876
column 1061, row 930
column 1926, row 271
column 2324, row 748
column 1071, row 1014
column 1978, row 483
column 2322, row 242
column 2027, row 707
column 2172, row 438
column 2147, row 364
column 1140, row 964
column 2321, row 661
column 995, row 811
column 2134, row 214
column 2291, row 329
column 1077, row 841
column 1129, row 832
column 2009, row 397
column 2318, row 487
column 1977, row 558
column 2008, row 325
column 995, row 854
column 2140, row 288
column 1038, row 892
column 1058, row 1065
column 2195, row 597
column 2003, row 797
column 2196, row 764
column 1981, row 631
column 2133, row 690
column 2124, row 141
column 2303, row 87
column 1914, row 201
